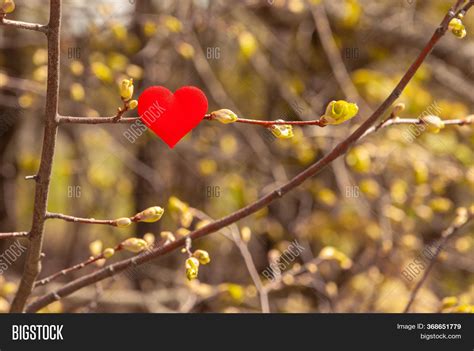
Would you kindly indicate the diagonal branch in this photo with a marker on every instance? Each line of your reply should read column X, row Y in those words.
column 264, row 201
column 447, row 234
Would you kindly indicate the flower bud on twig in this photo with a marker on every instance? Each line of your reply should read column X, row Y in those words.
column 8, row 6
column 134, row 245
column 150, row 215
column 126, row 89
column 282, row 131
column 123, row 222
column 192, row 268
column 224, row 116
column 339, row 111
column 202, row 256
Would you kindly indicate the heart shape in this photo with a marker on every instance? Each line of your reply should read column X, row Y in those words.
column 172, row 116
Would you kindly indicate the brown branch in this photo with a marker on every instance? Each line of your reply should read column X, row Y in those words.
column 24, row 25
column 13, row 235
column 73, row 219
column 263, row 123
column 447, row 234
column 264, row 201
column 33, row 258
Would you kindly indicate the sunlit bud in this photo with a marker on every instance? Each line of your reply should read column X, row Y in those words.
column 133, row 104
column 8, row 6
column 108, row 252
column 246, row 234
column 149, row 238
column 224, row 116
column 339, row 111
column 182, row 232
column 134, row 245
column 433, row 123
column 123, row 222
column 450, row 301
column 150, row 215
column 398, row 108
column 202, row 256
column 457, row 28
column 186, row 219
column 167, row 236
column 126, row 89
column 282, row 131
column 192, row 268
column 95, row 247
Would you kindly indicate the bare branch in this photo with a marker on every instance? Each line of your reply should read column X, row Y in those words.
column 33, row 258
column 13, row 235
column 24, row 25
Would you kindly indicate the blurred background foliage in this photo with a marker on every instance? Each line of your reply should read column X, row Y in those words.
column 379, row 206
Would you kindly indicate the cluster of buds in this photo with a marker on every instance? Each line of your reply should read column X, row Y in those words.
column 7, row 6
column 225, row 116
column 282, row 131
column 338, row 112
column 457, row 27
column 197, row 258
column 126, row 93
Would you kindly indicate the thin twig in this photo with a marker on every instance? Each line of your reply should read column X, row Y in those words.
column 447, row 234
column 73, row 219
column 74, row 268
column 24, row 25
column 13, row 235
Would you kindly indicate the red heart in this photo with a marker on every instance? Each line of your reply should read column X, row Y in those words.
column 172, row 116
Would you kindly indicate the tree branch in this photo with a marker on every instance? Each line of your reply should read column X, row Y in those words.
column 339, row 150
column 33, row 258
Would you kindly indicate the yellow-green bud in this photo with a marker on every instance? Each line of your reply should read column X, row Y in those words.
column 8, row 6
column 224, row 116
column 126, row 89
column 95, row 247
column 433, row 123
column 134, row 245
column 133, row 104
column 123, row 222
column 150, row 215
column 108, row 252
column 282, row 131
column 457, row 28
column 202, row 256
column 398, row 108
column 339, row 111
column 192, row 268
